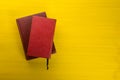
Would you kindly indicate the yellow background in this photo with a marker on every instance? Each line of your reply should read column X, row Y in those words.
column 87, row 39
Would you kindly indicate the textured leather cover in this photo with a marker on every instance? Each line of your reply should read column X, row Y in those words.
column 24, row 26
column 41, row 37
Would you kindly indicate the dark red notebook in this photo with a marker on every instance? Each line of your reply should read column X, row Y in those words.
column 41, row 37
column 24, row 26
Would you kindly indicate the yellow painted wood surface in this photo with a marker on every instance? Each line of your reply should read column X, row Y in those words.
column 87, row 39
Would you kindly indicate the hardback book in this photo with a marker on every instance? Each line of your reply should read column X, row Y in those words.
column 41, row 37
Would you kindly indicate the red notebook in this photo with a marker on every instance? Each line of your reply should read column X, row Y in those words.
column 24, row 26
column 41, row 37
